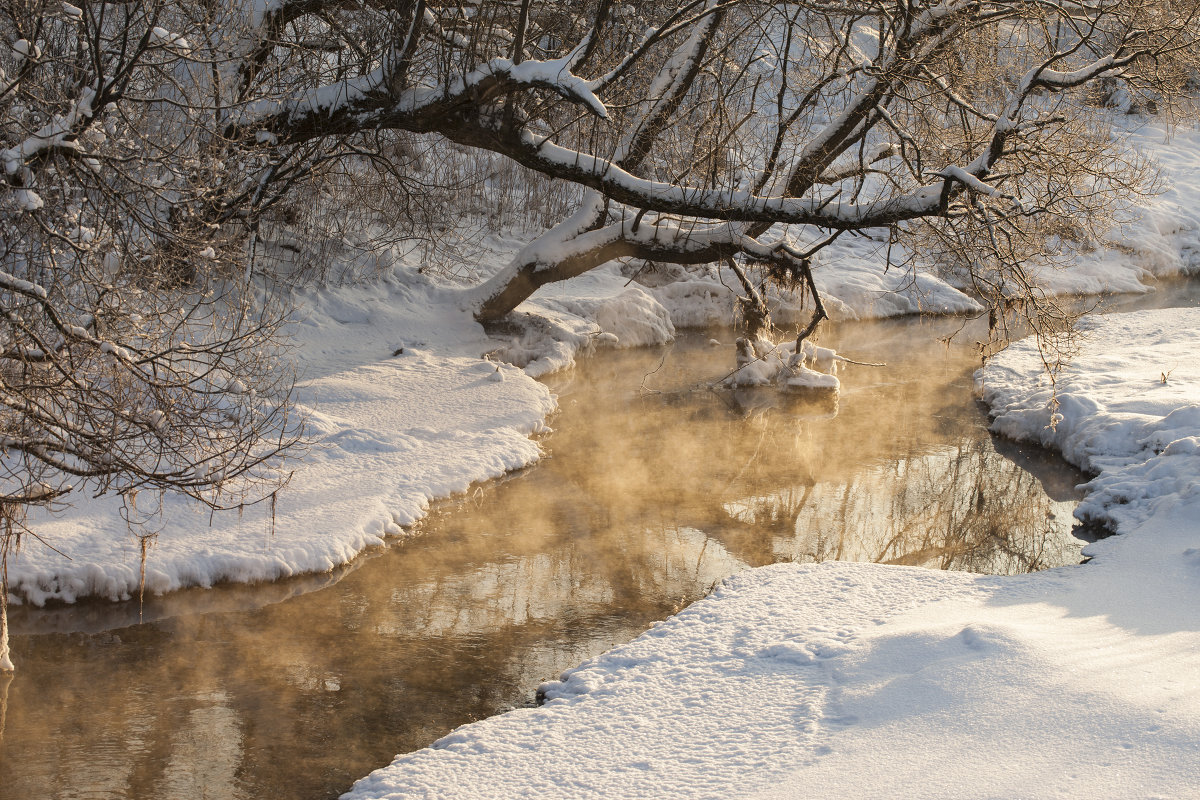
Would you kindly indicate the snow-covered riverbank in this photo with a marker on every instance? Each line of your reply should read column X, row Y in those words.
column 852, row 680
column 408, row 400
column 392, row 433
column 405, row 409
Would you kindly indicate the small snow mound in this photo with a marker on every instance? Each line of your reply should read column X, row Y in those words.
column 1191, row 557
column 575, row 683
column 982, row 638
column 26, row 49
column 633, row 317
column 763, row 363
column 563, row 321
column 759, row 363
column 789, row 653
column 162, row 37
column 804, row 379
column 27, row 200
column 696, row 302
column 547, row 342
column 1187, row 446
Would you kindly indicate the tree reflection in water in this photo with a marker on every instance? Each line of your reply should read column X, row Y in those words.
column 900, row 469
column 965, row 508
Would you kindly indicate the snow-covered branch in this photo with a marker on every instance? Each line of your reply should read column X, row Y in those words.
column 368, row 102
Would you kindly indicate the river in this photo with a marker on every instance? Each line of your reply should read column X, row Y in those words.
column 654, row 488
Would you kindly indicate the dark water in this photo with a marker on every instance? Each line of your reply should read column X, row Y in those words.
column 654, row 488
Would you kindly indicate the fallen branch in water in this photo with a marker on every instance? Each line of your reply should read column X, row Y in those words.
column 859, row 363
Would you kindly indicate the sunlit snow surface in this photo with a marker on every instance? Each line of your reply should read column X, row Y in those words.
column 855, row 680
column 392, row 432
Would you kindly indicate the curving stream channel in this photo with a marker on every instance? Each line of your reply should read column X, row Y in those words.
column 654, row 488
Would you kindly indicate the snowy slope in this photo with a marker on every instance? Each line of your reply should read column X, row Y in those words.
column 853, row 680
column 1161, row 236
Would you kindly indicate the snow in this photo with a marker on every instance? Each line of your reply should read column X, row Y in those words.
column 763, row 363
column 394, row 432
column 162, row 37
column 970, row 181
column 56, row 134
column 556, row 74
column 25, row 49
column 15, row 284
column 343, row 94
column 27, row 200
column 1129, row 409
column 1161, row 236
column 861, row 680
column 628, row 312
column 803, row 378
column 859, row 281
